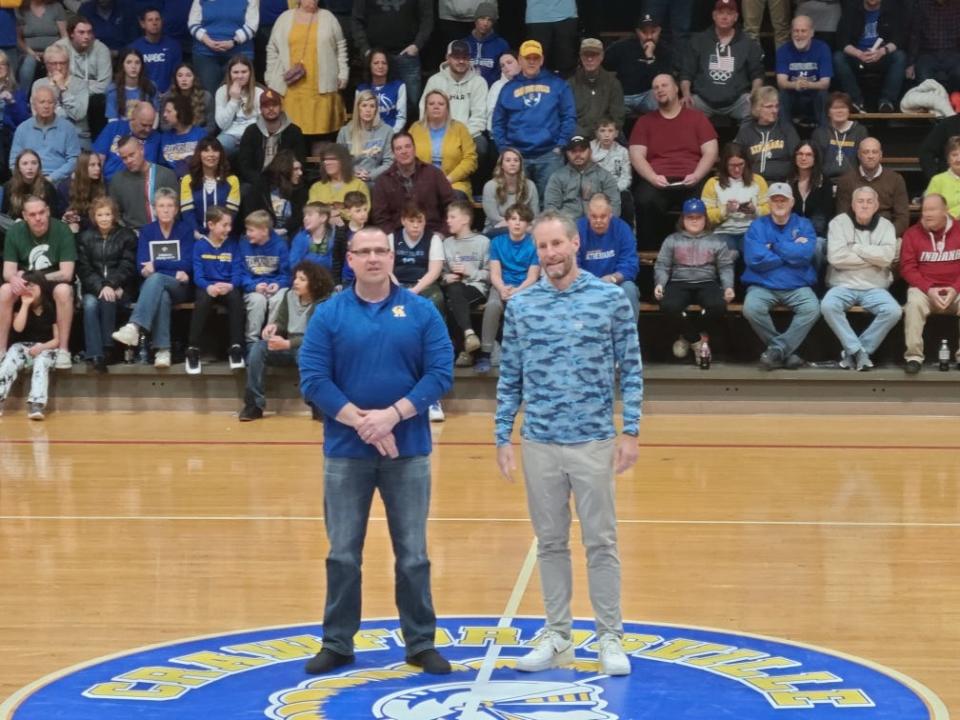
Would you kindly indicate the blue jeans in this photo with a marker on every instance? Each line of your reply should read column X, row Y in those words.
column 407, row 68
column 877, row 301
column 28, row 69
column 158, row 294
column 802, row 301
column 210, row 69
column 257, row 360
column 847, row 69
column 674, row 14
column 99, row 322
column 641, row 102
column 348, row 487
column 633, row 296
column 540, row 168
column 230, row 144
column 804, row 104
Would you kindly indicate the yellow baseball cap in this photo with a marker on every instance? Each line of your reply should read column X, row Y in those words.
column 531, row 47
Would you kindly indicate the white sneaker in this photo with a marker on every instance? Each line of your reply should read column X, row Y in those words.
column 64, row 361
column 129, row 334
column 436, row 413
column 161, row 359
column 471, row 343
column 613, row 660
column 681, row 348
column 551, row 651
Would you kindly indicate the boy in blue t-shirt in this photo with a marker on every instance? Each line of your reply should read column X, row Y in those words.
column 513, row 267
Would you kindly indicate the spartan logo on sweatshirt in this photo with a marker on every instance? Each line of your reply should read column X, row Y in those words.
column 39, row 259
column 263, row 264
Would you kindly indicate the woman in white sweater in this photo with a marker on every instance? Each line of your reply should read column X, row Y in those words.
column 237, row 103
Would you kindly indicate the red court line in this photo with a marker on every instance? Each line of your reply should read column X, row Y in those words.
column 317, row 444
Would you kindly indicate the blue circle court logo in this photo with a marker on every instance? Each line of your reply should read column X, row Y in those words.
column 678, row 672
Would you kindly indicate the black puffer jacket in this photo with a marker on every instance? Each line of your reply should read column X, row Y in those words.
column 107, row 262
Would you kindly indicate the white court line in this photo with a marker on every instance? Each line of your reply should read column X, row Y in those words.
column 472, row 705
column 319, row 518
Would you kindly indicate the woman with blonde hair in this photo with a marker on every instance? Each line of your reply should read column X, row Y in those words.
column 367, row 138
column 307, row 64
column 509, row 186
column 445, row 143
column 237, row 102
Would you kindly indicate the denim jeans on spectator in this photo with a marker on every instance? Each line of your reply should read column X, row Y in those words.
column 848, row 69
column 877, row 301
column 158, row 294
column 27, row 72
column 210, row 70
column 404, row 486
column 677, row 15
column 807, row 105
column 407, row 68
column 99, row 322
column 802, row 301
column 641, row 102
column 230, row 143
column 259, row 357
column 540, row 168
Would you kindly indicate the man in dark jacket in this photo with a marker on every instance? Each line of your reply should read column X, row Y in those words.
column 872, row 44
column 638, row 60
column 271, row 133
column 597, row 93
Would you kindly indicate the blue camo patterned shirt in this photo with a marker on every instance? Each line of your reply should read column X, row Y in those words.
column 559, row 351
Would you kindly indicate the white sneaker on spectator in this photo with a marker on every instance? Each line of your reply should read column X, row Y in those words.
column 161, row 359
column 64, row 361
column 471, row 343
column 129, row 334
column 681, row 348
column 613, row 660
column 436, row 413
column 464, row 359
column 551, row 651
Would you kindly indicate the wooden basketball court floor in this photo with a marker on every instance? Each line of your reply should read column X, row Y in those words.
column 123, row 530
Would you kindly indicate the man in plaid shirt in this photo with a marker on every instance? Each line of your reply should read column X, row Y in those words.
column 934, row 49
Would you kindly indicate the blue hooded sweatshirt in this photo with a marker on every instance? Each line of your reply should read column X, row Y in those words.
column 614, row 251
column 485, row 55
column 776, row 258
column 215, row 264
column 267, row 263
column 534, row 115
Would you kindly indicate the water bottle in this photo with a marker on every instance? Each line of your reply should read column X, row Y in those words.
column 703, row 355
column 944, row 355
column 143, row 351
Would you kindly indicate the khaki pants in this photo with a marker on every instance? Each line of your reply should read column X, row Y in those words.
column 779, row 18
column 915, row 314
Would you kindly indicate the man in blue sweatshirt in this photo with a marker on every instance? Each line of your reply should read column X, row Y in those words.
column 161, row 53
column 535, row 114
column 779, row 251
column 264, row 271
column 374, row 358
column 608, row 249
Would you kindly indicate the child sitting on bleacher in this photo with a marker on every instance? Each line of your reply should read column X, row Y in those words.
column 356, row 205
column 466, row 274
column 615, row 159
column 264, row 271
column 320, row 241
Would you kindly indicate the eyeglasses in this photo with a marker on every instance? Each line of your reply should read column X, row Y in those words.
column 371, row 252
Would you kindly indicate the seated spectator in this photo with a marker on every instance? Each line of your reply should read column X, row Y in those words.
column 409, row 179
column 209, row 183
column 357, row 206
column 804, row 70
column 53, row 138
column 947, row 183
column 14, row 108
column 46, row 245
column 222, row 32
column 139, row 126
column 570, row 188
column 216, row 276
column 78, row 191
column 236, row 102
column 597, row 93
column 272, row 132
column 130, row 84
column 72, row 95
column 280, row 341
column 509, row 186
column 638, row 60
column 672, row 149
column 768, row 140
column 161, row 53
column 107, row 268
column 693, row 267
column 608, row 248
column 40, row 23
column 838, row 141
column 110, row 23
column 933, row 159
column 870, row 38
column 889, row 184
column 721, row 66
column 27, row 181
column 179, row 143
column 418, row 265
column 367, row 138
column 734, row 197
column 320, row 241
column 135, row 187
column 553, row 25
column 281, row 191
column 509, row 69
column 465, row 92
column 535, row 114
column 779, row 19
column 185, row 83
column 165, row 261
column 391, row 94
column 933, row 52
column 779, row 252
column 486, row 46
column 310, row 37
column 614, row 158
column 861, row 249
column 336, row 180
column 36, row 337
column 675, row 16
column 445, row 143
column 514, row 266
column 264, row 272
column 930, row 264
column 466, row 275
column 91, row 65
column 812, row 192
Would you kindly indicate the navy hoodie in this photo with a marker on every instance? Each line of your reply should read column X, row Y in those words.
column 534, row 115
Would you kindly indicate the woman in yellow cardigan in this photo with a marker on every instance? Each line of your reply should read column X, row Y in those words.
column 445, row 143
column 947, row 183
column 336, row 180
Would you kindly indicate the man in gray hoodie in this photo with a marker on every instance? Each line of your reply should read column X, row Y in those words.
column 466, row 90
column 570, row 188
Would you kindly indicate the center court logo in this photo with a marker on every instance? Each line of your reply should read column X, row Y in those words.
column 678, row 672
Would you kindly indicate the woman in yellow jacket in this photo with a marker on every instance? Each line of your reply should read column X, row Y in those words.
column 336, row 180
column 947, row 183
column 735, row 196
column 445, row 143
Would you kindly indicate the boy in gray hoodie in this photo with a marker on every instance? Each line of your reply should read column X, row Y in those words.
column 466, row 274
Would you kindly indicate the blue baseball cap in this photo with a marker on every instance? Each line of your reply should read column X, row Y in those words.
column 694, row 206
